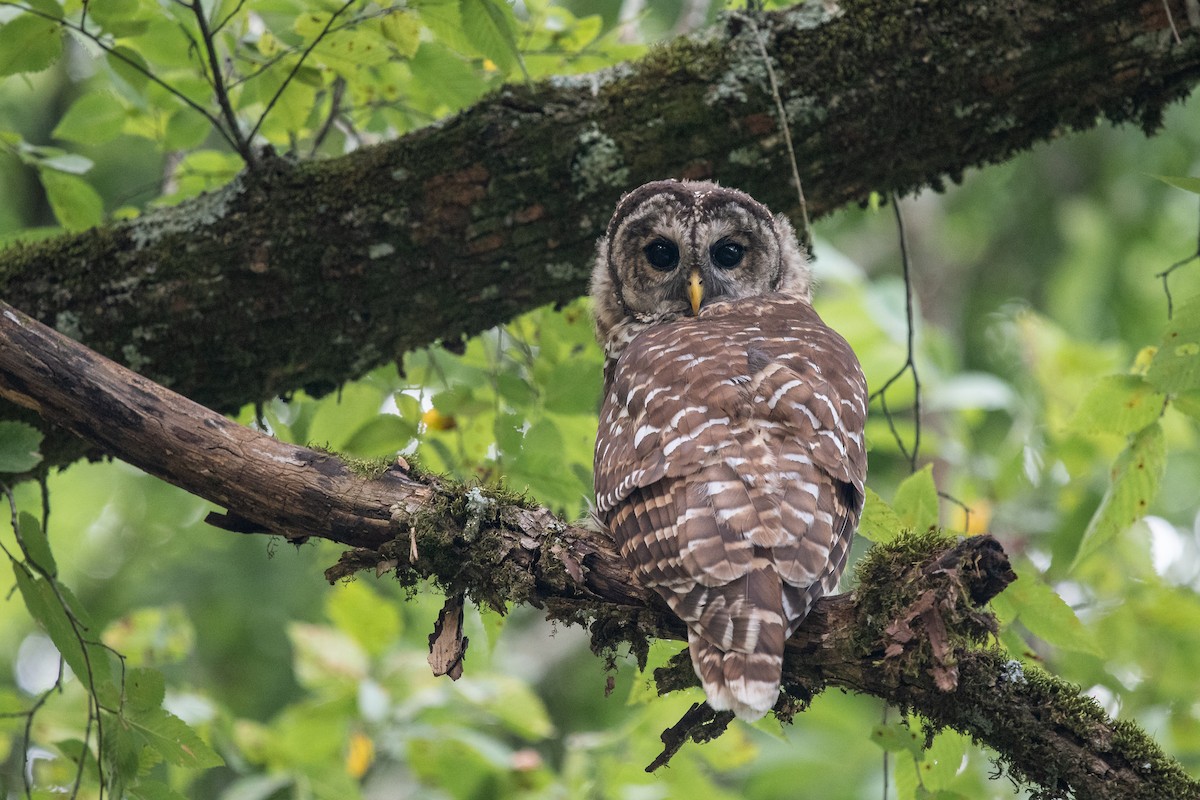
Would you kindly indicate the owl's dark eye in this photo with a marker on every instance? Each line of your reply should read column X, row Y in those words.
column 727, row 254
column 662, row 255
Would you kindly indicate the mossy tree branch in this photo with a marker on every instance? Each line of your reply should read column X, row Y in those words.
column 913, row 632
column 308, row 274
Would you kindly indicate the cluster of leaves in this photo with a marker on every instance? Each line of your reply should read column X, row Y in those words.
column 204, row 85
column 124, row 703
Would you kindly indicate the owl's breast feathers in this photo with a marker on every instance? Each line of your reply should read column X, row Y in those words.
column 729, row 468
column 763, row 367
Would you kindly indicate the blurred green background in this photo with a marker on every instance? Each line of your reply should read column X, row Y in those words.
column 1035, row 282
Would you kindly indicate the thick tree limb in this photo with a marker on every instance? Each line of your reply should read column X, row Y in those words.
column 912, row 633
column 308, row 274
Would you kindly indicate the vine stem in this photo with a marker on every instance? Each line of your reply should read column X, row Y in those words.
column 910, row 362
column 805, row 227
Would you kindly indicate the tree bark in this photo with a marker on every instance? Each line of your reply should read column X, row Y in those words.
column 308, row 274
column 912, row 633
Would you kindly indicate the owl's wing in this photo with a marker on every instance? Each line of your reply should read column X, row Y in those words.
column 729, row 465
column 684, row 393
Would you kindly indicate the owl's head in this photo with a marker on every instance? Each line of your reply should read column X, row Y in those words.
column 672, row 247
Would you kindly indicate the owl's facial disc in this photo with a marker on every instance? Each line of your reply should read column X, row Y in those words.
column 674, row 247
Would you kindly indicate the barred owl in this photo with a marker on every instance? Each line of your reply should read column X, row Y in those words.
column 730, row 458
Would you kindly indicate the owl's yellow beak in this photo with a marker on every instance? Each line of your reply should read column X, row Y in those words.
column 695, row 290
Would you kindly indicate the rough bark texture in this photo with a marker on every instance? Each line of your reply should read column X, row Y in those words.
column 912, row 633
column 308, row 274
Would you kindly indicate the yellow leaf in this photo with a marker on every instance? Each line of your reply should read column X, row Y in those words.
column 435, row 420
column 973, row 520
column 359, row 755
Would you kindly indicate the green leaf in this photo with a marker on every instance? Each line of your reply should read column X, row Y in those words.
column 897, row 737
column 541, row 466
column 1120, row 404
column 402, row 29
column 128, row 65
column 1135, row 480
column 76, row 750
column 383, row 435
column 19, row 445
column 323, row 655
column 94, row 118
column 144, row 689
column 121, row 747
column 155, row 635
column 490, row 27
column 29, row 43
column 879, row 522
column 50, row 8
column 1046, row 615
column 916, row 500
column 76, row 204
column 186, row 128
column 1185, row 183
column 573, row 387
column 55, row 615
column 446, row 78
column 165, row 44
column 119, row 17
column 514, row 704
column 444, row 20
column 939, row 765
column 343, row 50
column 515, row 389
column 1187, row 403
column 372, row 620
column 72, row 163
column 507, row 431
column 171, row 737
column 153, row 790
column 1176, row 365
column 35, row 544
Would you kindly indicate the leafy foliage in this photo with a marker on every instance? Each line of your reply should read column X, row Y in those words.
column 216, row 667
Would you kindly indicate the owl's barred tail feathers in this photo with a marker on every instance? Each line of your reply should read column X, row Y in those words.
column 745, row 683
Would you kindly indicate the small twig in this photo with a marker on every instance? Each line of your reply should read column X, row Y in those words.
column 296, row 67
column 966, row 509
column 27, row 736
column 217, row 28
column 241, row 144
column 1165, row 275
column 117, row 54
column 262, row 66
column 335, row 108
column 910, row 362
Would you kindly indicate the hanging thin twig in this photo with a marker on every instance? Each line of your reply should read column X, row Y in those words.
column 910, row 363
column 805, row 232
column 1171, row 21
column 1165, row 275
